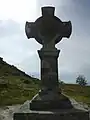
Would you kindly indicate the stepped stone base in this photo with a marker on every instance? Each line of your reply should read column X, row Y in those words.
column 60, row 109
column 50, row 101
column 69, row 114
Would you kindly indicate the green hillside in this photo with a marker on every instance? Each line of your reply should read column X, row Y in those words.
column 80, row 94
column 15, row 86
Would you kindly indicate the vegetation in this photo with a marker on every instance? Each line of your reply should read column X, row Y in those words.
column 81, row 80
column 80, row 94
column 15, row 86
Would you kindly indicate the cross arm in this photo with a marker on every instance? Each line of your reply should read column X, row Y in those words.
column 30, row 29
column 67, row 29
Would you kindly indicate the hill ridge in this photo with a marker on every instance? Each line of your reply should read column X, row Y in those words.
column 6, row 68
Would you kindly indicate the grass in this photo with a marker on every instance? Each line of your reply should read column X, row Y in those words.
column 80, row 94
column 18, row 90
column 18, row 87
column 21, row 87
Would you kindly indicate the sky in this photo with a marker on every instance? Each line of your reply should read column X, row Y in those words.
column 16, row 49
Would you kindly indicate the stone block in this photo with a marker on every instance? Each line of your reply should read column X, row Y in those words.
column 70, row 114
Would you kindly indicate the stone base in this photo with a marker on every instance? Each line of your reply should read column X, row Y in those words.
column 69, row 114
column 50, row 105
column 50, row 101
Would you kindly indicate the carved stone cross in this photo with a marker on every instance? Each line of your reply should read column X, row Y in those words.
column 48, row 30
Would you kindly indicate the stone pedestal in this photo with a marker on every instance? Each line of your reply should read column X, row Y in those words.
column 47, row 102
column 66, row 114
column 49, row 68
column 50, row 96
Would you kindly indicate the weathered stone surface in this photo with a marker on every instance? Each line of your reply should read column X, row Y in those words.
column 68, row 114
column 48, row 30
column 25, row 109
column 47, row 101
column 6, row 113
column 49, row 68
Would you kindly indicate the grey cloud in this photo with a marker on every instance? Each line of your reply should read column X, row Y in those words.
column 9, row 28
column 14, row 45
column 30, row 64
column 85, row 70
column 68, row 77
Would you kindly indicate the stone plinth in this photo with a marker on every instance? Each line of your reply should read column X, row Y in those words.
column 50, row 100
column 50, row 96
column 49, row 68
column 68, row 114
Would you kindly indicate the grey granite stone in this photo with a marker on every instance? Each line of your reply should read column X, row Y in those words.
column 68, row 114
column 75, row 113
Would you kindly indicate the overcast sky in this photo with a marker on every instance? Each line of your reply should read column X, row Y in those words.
column 16, row 49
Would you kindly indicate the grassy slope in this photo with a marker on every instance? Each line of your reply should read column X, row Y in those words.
column 17, row 91
column 19, row 86
column 81, row 94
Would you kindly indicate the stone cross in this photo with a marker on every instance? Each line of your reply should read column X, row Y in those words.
column 48, row 30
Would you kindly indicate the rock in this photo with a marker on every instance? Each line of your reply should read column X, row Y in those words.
column 25, row 107
column 2, row 117
column 7, row 112
column 5, row 107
